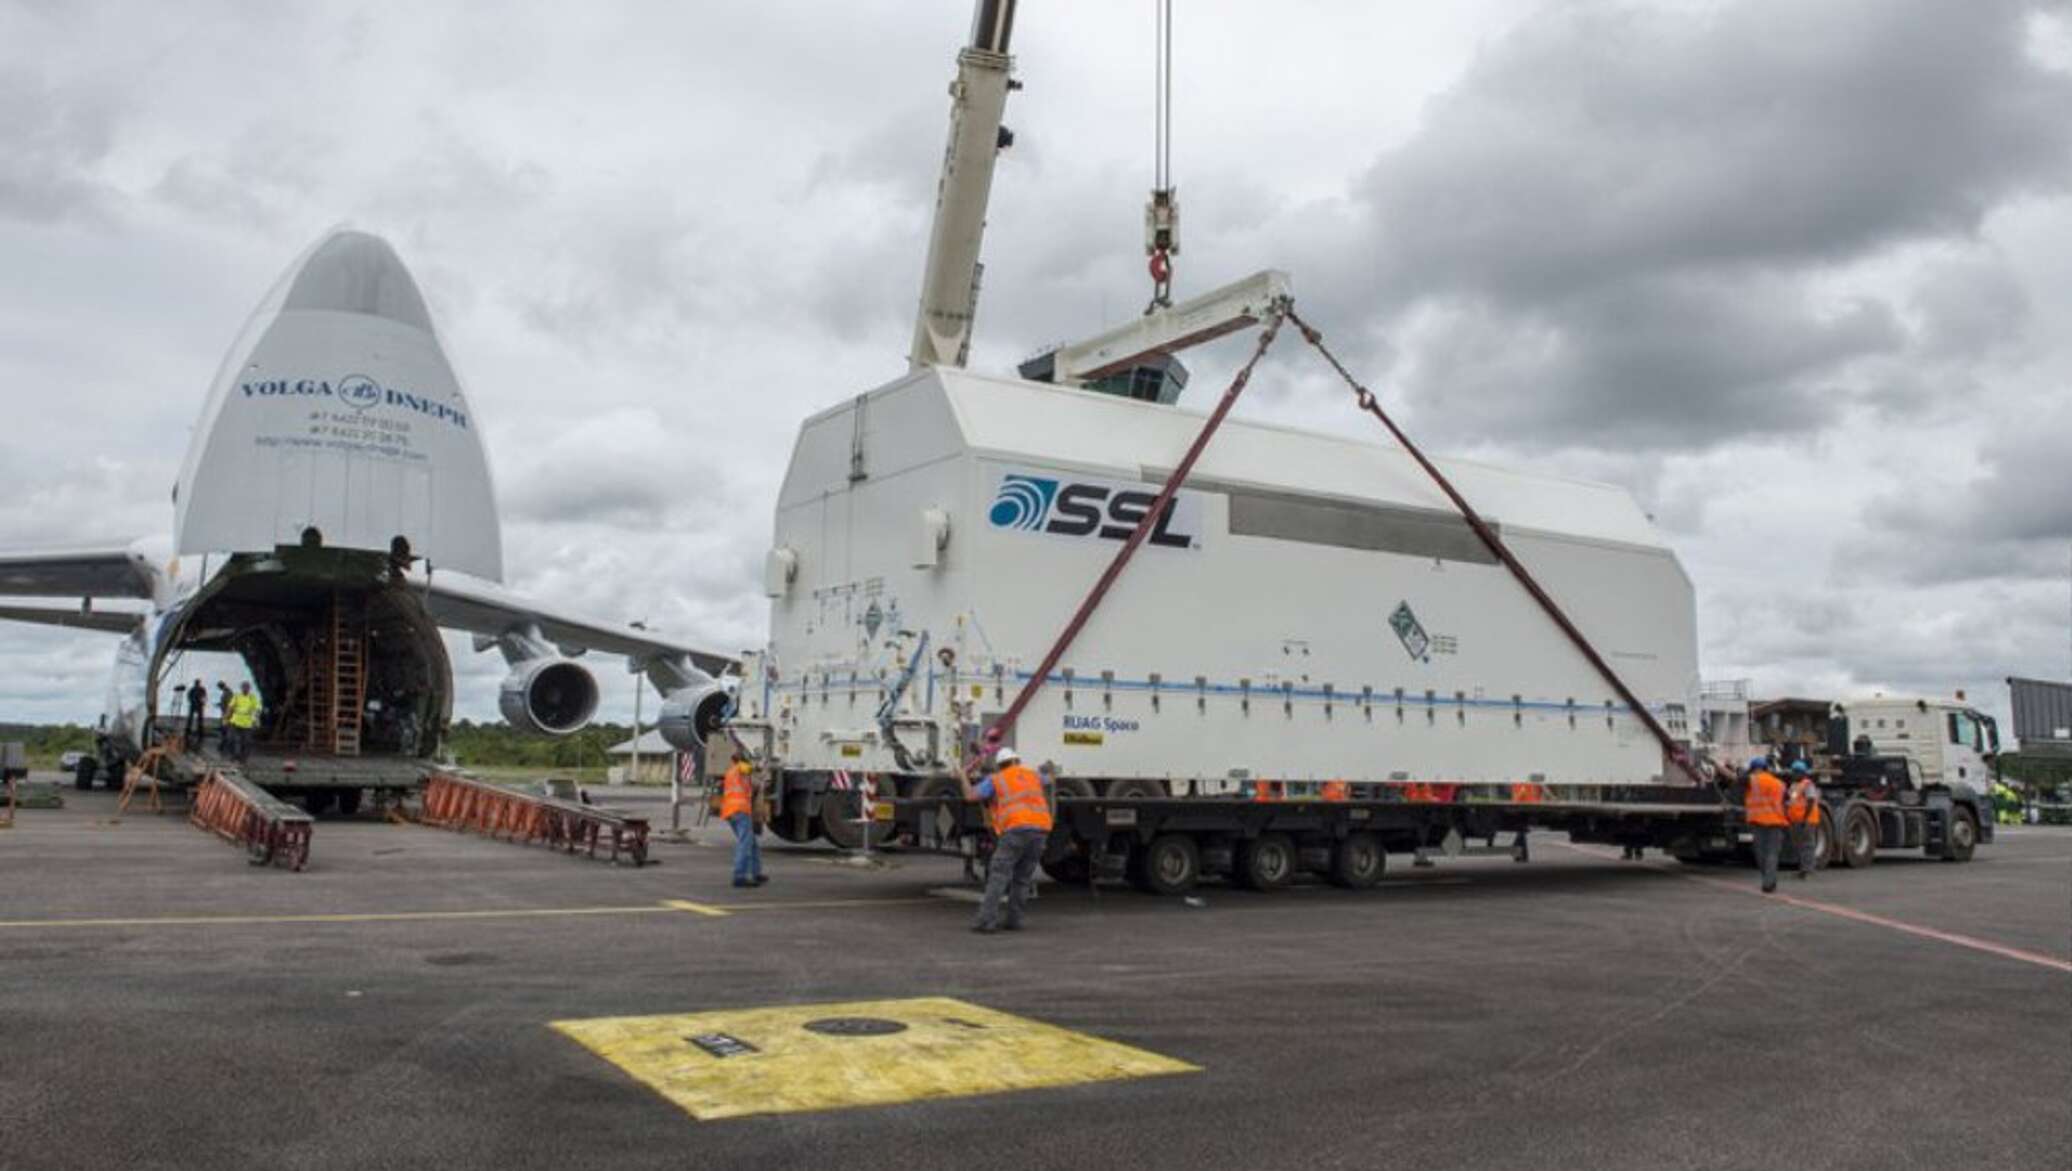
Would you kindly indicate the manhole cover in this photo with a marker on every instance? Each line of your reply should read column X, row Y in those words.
column 854, row 1026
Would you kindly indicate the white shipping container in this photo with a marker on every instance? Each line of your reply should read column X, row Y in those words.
column 1310, row 608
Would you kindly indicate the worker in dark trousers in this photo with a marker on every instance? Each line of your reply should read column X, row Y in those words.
column 1766, row 818
column 737, row 809
column 1020, row 817
column 1802, row 809
column 223, row 735
column 197, row 714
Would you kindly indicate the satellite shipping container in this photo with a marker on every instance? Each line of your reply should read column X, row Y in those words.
column 1309, row 607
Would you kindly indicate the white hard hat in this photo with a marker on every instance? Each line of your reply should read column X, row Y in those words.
column 1006, row 756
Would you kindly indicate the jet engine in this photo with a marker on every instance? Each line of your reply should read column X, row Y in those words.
column 692, row 712
column 548, row 695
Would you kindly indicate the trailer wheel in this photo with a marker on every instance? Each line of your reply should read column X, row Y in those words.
column 1859, row 844
column 1170, row 865
column 1131, row 787
column 795, row 825
column 1963, row 839
column 840, row 821
column 1358, row 861
column 1266, row 862
column 83, row 773
column 1075, row 787
column 1072, row 869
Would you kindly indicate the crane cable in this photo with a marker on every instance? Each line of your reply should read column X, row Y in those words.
column 1162, row 214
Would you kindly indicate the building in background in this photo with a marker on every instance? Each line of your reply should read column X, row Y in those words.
column 657, row 760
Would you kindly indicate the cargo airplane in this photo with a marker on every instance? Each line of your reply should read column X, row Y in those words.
column 334, row 512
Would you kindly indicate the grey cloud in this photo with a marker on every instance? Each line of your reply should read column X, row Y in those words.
column 1618, row 217
column 1659, row 362
column 52, row 143
column 2011, row 520
column 1969, row 307
column 1600, row 140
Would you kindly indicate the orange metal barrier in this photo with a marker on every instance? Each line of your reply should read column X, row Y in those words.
column 238, row 811
column 463, row 803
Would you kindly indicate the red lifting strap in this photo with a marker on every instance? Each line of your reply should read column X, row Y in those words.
column 1001, row 726
column 1670, row 749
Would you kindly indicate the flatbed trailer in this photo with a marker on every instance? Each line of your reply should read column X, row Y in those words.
column 1166, row 845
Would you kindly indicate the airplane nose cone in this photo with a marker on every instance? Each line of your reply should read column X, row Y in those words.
column 354, row 272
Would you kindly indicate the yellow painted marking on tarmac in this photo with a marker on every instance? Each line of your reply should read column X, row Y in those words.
column 827, row 904
column 774, row 1065
column 366, row 917
column 671, row 906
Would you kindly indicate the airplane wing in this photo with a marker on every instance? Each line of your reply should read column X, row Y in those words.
column 107, row 571
column 478, row 607
column 111, row 621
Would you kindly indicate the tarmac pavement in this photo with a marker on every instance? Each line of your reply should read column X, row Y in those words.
column 165, row 1005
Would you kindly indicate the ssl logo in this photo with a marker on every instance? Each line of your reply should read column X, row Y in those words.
column 1045, row 504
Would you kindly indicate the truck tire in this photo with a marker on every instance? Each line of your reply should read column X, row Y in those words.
column 1076, row 787
column 794, row 825
column 1358, row 861
column 1135, row 787
column 1858, row 846
column 1963, row 838
column 1266, row 862
column 839, row 812
column 1169, row 865
column 1070, row 867
column 83, row 773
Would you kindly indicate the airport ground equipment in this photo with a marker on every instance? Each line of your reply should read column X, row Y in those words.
column 1898, row 773
column 467, row 804
column 271, row 831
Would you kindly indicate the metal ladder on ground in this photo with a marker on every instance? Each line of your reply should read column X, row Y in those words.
column 336, row 688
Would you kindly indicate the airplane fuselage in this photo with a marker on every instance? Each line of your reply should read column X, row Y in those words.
column 344, row 657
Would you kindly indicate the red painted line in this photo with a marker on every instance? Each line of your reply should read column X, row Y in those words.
column 1970, row 941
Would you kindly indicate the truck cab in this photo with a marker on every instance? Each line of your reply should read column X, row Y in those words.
column 1950, row 743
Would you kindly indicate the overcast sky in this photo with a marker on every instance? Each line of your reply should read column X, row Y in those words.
column 1797, row 272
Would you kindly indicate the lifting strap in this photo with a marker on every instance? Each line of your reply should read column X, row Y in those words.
column 1000, row 727
column 1283, row 311
column 1671, row 750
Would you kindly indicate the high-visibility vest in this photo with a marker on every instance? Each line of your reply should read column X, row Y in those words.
column 737, row 792
column 1265, row 791
column 244, row 710
column 1803, row 805
column 1018, row 800
column 1766, row 799
column 1526, row 792
column 1335, row 791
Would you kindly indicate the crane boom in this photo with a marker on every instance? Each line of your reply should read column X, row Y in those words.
column 978, row 99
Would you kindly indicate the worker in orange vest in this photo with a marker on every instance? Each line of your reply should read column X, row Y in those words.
column 1765, row 810
column 1019, row 814
column 1265, row 791
column 1335, row 791
column 1802, row 809
column 737, row 809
